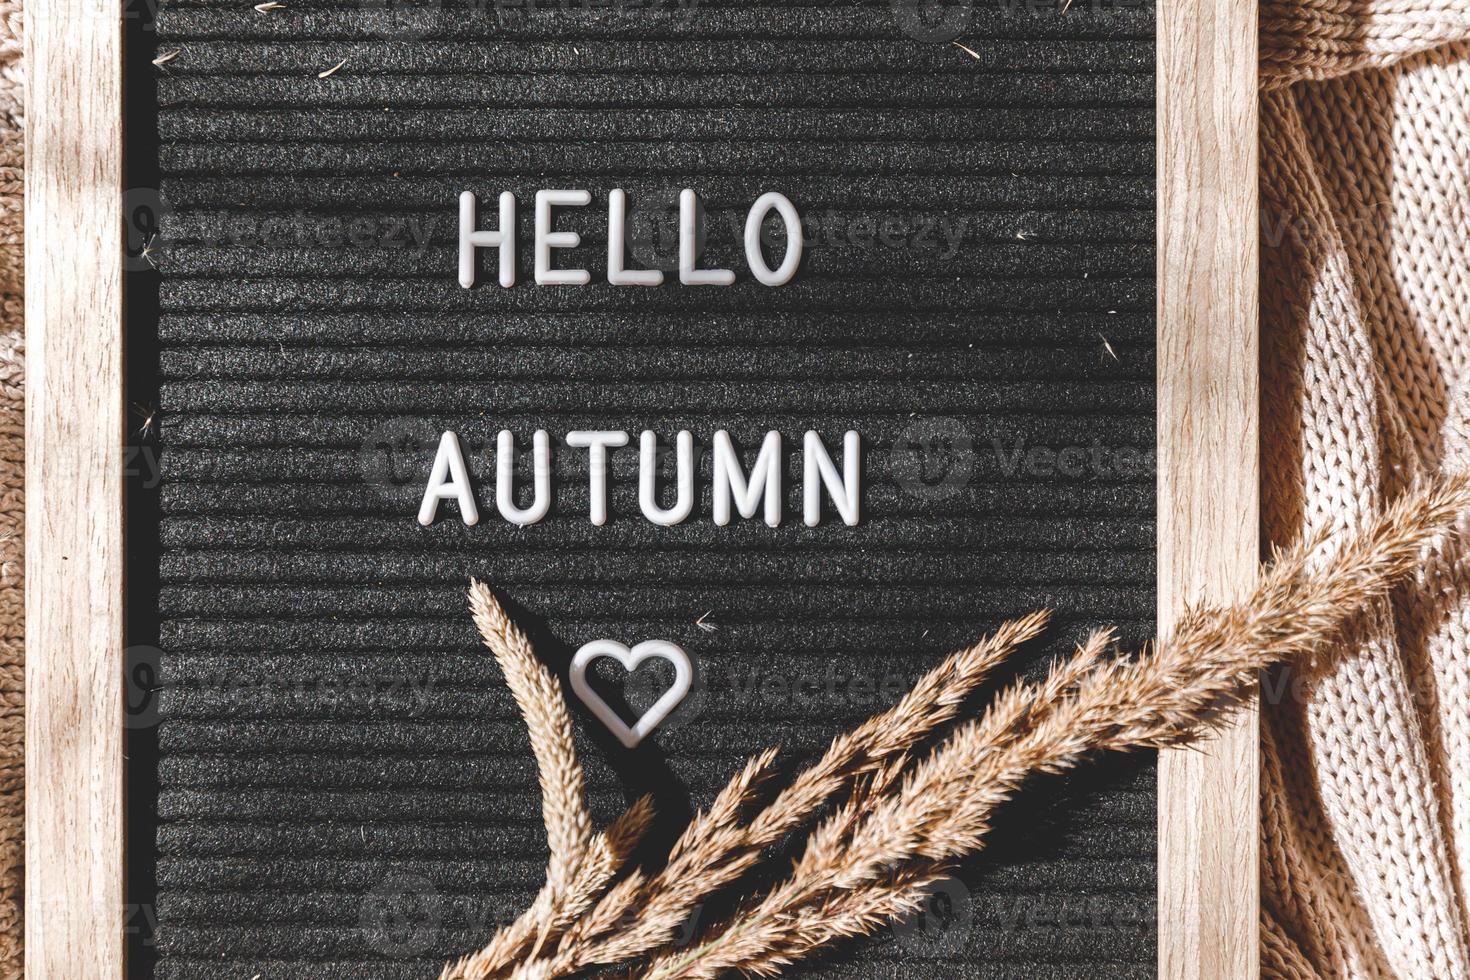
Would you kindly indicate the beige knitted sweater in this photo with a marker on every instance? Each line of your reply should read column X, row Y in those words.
column 12, row 492
column 1365, row 247
column 1366, row 380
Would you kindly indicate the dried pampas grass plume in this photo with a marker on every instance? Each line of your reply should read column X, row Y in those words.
column 884, row 820
column 581, row 863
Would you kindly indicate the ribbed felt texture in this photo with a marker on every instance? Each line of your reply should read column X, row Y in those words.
column 332, row 732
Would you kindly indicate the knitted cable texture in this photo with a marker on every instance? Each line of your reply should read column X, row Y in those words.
column 12, row 492
column 1365, row 280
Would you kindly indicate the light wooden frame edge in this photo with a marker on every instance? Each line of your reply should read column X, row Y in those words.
column 1208, row 462
column 75, row 432
column 74, row 490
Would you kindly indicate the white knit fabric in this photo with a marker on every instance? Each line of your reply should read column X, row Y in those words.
column 1366, row 387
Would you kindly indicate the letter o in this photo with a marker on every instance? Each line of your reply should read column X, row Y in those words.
column 753, row 256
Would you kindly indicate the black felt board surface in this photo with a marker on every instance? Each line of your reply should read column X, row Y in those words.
column 338, row 784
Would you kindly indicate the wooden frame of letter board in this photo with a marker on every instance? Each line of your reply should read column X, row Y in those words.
column 75, row 420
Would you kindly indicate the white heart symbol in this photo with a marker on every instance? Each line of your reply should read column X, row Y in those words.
column 631, row 659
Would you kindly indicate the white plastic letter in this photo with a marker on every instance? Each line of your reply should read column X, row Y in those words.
column 449, row 481
column 597, row 442
column 471, row 238
column 505, row 465
column 753, row 221
column 617, row 228
column 820, row 470
column 648, row 478
column 730, row 480
column 546, row 239
column 689, row 245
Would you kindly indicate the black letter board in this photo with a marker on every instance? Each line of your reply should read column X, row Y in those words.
column 975, row 299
